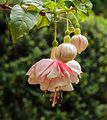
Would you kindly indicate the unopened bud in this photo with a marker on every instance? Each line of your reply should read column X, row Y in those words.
column 80, row 42
column 65, row 52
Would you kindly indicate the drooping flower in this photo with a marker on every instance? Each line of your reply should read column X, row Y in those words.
column 54, row 76
column 80, row 42
column 65, row 52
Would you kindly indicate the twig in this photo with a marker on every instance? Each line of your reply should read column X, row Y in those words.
column 4, row 6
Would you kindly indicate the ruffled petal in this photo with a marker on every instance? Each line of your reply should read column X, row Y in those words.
column 55, row 72
column 43, row 67
column 68, row 87
column 75, row 66
column 31, row 70
column 45, row 85
column 56, row 83
column 38, row 71
column 74, row 79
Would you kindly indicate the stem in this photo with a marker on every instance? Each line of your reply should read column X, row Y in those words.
column 6, row 2
column 4, row 6
column 59, row 11
column 77, row 23
column 55, row 26
column 67, row 23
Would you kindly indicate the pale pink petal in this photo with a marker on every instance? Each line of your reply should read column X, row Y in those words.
column 68, row 87
column 31, row 70
column 74, row 79
column 45, row 85
column 57, row 83
column 32, row 81
column 32, row 77
column 36, row 80
column 55, row 72
column 43, row 67
column 37, row 70
column 64, row 67
column 75, row 66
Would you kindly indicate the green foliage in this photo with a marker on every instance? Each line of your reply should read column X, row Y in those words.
column 25, row 14
column 100, row 7
column 21, row 21
column 42, row 22
column 19, row 100
column 84, row 5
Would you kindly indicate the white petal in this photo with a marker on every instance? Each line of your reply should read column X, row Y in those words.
column 68, row 87
column 75, row 66
column 74, row 79
column 43, row 67
column 45, row 85
column 55, row 72
column 57, row 83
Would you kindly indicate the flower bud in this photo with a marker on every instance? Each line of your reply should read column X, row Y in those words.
column 65, row 52
column 66, row 39
column 77, row 31
column 80, row 42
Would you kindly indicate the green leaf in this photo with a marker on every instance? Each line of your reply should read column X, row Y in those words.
column 2, row 1
column 14, row 1
column 50, row 5
column 43, row 21
column 21, row 22
column 33, row 5
column 83, row 5
column 80, row 6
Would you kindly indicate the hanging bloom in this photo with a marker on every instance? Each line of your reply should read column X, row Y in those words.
column 66, row 52
column 80, row 42
column 54, row 76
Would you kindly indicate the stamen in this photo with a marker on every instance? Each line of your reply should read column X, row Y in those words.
column 61, row 97
column 54, row 99
column 51, row 96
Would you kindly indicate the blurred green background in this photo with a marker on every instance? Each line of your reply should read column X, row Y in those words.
column 21, row 101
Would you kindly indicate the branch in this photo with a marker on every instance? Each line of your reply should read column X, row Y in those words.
column 5, row 6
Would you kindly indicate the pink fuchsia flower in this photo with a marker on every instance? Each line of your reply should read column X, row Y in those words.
column 54, row 76
column 80, row 42
column 65, row 52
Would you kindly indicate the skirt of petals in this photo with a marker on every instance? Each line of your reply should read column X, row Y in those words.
column 54, row 74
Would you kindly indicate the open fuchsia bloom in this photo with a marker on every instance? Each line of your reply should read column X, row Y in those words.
column 54, row 76
column 80, row 42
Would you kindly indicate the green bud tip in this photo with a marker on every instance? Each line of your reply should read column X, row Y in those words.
column 55, row 43
column 67, row 39
column 67, row 32
column 77, row 31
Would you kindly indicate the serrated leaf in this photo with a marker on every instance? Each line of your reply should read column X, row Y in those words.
column 21, row 22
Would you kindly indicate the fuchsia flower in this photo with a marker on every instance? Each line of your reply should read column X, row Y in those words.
column 54, row 76
column 65, row 52
column 80, row 42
